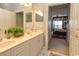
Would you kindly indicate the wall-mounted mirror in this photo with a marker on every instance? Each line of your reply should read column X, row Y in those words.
column 39, row 19
column 29, row 17
column 39, row 16
column 28, row 24
column 19, row 16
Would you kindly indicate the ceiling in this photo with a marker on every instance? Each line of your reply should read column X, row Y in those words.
column 11, row 6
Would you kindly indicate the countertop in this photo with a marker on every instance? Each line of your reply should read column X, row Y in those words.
column 6, row 44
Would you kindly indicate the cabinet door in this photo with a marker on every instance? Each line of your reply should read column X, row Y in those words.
column 6, row 53
column 22, row 50
column 25, row 51
column 40, row 42
column 36, row 45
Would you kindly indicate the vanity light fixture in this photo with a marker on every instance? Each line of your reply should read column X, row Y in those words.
column 27, row 4
column 39, row 13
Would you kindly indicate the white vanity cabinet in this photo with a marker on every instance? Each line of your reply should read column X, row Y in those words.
column 21, row 50
column 36, row 45
column 5, row 53
column 29, row 48
column 32, row 47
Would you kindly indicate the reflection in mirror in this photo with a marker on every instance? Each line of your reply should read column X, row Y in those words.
column 29, row 17
column 39, row 16
column 39, row 20
column 19, row 18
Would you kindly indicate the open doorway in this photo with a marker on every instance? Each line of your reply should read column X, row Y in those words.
column 58, row 29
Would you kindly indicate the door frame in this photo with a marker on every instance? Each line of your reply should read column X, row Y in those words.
column 46, row 10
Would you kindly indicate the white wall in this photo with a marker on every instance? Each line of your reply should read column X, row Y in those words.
column 7, row 19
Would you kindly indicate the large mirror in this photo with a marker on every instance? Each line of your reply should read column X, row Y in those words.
column 29, row 17
column 19, row 17
column 39, row 16
column 28, row 20
column 39, row 19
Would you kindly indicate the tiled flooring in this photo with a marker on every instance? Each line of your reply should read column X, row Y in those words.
column 58, row 47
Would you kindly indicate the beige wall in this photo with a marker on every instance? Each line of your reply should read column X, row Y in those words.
column 27, row 25
column 37, row 7
column 33, row 24
column 7, row 20
column 74, row 29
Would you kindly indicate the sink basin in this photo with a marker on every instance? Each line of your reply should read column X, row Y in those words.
column 7, row 43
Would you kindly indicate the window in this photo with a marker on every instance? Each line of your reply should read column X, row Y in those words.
column 57, row 24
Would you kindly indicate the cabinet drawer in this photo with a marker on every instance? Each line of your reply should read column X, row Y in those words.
column 18, row 49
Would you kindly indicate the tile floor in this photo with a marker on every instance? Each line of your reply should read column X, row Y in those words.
column 58, row 47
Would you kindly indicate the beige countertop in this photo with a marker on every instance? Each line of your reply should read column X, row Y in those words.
column 6, row 44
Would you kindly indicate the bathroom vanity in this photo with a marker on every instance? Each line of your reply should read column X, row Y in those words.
column 27, row 45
